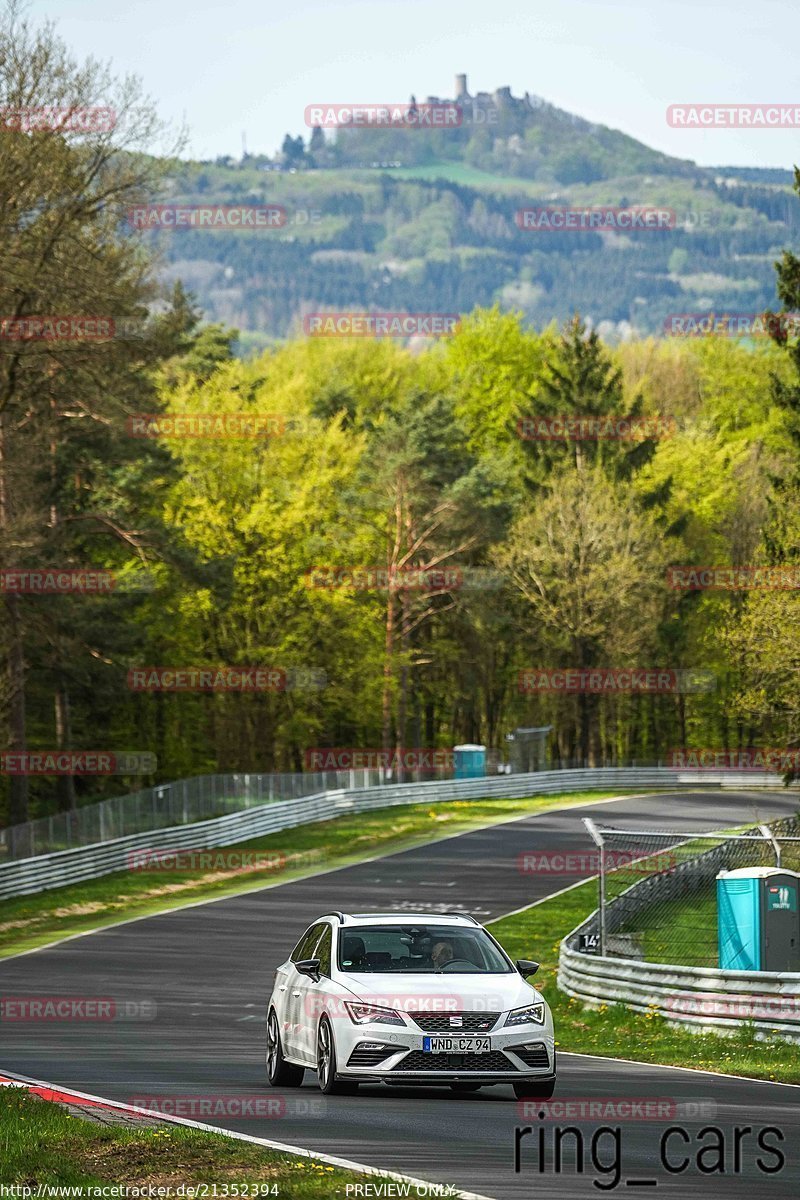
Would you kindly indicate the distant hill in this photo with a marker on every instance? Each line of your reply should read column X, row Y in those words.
column 524, row 137
column 755, row 174
column 425, row 220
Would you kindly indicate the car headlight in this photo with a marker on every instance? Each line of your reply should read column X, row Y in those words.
column 366, row 1014
column 532, row 1014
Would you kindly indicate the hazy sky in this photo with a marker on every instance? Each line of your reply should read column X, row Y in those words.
column 228, row 66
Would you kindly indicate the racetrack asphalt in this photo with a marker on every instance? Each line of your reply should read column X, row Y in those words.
column 208, row 971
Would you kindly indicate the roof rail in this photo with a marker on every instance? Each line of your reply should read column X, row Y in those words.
column 426, row 916
column 334, row 913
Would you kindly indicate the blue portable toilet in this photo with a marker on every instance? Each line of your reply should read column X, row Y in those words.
column 469, row 762
column 758, row 919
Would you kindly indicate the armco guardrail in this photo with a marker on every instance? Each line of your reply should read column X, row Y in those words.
column 90, row 862
column 187, row 801
column 183, row 802
column 702, row 998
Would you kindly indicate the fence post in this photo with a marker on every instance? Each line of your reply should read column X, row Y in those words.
column 767, row 833
column 597, row 838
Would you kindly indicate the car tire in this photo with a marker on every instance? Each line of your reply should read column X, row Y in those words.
column 465, row 1087
column 536, row 1089
column 329, row 1085
column 280, row 1072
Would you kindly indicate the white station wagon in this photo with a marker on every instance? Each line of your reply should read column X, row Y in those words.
column 408, row 999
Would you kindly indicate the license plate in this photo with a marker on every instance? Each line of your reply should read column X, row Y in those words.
column 456, row 1045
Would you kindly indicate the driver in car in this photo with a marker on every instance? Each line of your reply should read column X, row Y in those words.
column 441, row 954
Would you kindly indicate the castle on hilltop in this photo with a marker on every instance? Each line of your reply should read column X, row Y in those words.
column 483, row 102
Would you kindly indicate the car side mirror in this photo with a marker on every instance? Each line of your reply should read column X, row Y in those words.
column 309, row 967
column 526, row 966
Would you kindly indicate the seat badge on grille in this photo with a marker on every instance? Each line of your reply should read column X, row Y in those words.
column 456, row 1022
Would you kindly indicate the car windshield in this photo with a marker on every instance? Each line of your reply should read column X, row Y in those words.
column 429, row 949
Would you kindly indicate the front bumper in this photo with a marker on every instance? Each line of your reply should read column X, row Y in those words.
column 377, row 1051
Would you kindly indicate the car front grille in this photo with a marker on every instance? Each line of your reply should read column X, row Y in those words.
column 533, row 1054
column 418, row 1060
column 369, row 1054
column 470, row 1022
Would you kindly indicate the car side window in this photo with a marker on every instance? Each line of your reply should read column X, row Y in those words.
column 305, row 946
column 323, row 951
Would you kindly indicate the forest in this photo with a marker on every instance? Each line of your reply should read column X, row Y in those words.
column 359, row 542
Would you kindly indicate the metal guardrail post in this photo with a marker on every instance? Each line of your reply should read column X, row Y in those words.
column 597, row 838
column 770, row 837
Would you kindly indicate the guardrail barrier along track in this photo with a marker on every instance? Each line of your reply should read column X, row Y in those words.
column 35, row 873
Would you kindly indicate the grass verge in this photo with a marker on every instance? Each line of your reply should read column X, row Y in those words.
column 682, row 930
column 616, row 1032
column 42, row 1144
column 27, row 922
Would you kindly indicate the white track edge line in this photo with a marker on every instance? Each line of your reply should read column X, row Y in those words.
column 332, row 1159
column 637, row 1062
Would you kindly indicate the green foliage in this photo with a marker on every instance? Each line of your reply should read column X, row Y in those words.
column 45, row 1145
column 385, row 458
